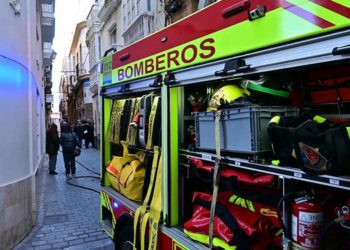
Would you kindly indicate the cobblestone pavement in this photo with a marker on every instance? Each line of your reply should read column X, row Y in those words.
column 68, row 217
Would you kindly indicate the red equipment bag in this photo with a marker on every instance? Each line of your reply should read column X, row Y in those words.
column 238, row 222
column 246, row 212
column 244, row 178
column 329, row 86
column 253, row 186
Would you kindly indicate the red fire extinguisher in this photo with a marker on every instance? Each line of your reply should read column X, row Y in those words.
column 307, row 220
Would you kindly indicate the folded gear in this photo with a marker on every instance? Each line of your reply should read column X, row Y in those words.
column 127, row 174
column 238, row 223
column 311, row 143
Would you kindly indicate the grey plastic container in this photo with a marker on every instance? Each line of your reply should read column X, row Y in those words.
column 242, row 130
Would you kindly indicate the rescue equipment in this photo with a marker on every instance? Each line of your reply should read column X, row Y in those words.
column 226, row 95
column 330, row 85
column 242, row 129
column 127, row 174
column 342, row 221
column 267, row 91
column 311, row 143
column 307, row 220
column 238, row 223
column 154, row 129
column 145, row 110
column 131, row 136
column 150, row 211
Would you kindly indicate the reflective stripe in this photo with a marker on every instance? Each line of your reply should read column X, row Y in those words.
column 117, row 120
column 152, row 118
column 276, row 119
column 156, row 209
column 217, row 242
column 111, row 129
column 142, row 213
column 275, row 162
column 345, row 3
column 348, row 130
column 319, row 119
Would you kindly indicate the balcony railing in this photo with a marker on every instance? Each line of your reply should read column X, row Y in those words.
column 107, row 9
column 80, row 70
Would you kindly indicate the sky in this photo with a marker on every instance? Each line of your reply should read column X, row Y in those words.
column 67, row 13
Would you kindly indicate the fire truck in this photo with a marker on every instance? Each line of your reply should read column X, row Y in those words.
column 168, row 154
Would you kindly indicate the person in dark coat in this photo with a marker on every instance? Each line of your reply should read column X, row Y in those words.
column 86, row 128
column 78, row 131
column 69, row 142
column 52, row 146
column 91, row 134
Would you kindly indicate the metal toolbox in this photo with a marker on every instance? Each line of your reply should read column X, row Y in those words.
column 242, row 130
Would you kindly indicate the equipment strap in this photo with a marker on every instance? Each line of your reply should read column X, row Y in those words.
column 156, row 209
column 144, row 222
column 216, row 177
column 135, row 104
column 257, row 87
column 117, row 122
column 141, row 211
column 152, row 118
column 111, row 129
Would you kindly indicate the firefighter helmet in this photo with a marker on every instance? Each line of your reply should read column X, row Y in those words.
column 225, row 95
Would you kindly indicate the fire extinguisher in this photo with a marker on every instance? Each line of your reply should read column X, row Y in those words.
column 307, row 220
column 342, row 219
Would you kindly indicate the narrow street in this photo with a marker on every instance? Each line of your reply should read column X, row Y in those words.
column 68, row 216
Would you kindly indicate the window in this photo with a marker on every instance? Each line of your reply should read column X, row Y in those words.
column 99, row 47
column 131, row 10
column 47, row 46
column 74, row 61
column 113, row 35
column 47, row 8
column 81, row 54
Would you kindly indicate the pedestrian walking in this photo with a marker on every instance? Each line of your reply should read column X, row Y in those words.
column 52, row 146
column 91, row 133
column 78, row 131
column 69, row 142
column 86, row 128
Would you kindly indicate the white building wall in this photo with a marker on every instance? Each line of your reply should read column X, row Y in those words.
column 22, row 120
column 21, row 80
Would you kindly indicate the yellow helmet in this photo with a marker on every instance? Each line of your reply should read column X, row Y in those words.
column 226, row 94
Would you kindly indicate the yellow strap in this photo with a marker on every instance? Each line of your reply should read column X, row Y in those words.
column 216, row 178
column 142, row 209
column 156, row 208
column 112, row 121
column 117, row 123
column 128, row 134
column 137, row 218
column 152, row 117
column 132, row 133
column 144, row 222
column 153, row 175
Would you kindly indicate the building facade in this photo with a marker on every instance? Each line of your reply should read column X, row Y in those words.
column 93, row 39
column 25, row 77
column 76, row 80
